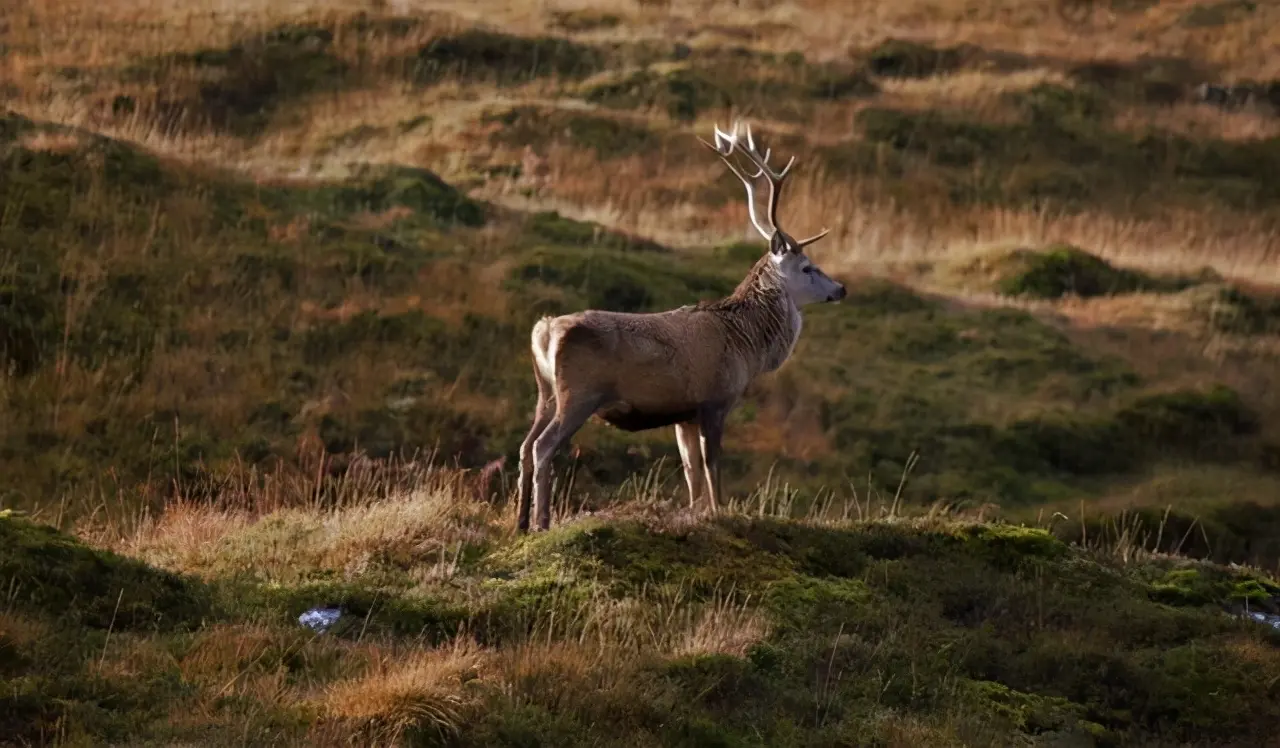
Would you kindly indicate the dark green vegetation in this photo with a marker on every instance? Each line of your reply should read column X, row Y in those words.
column 504, row 59
column 1065, row 270
column 1218, row 14
column 784, row 88
column 1094, row 419
column 253, row 321
column 898, row 58
column 1236, row 311
column 1007, row 635
column 56, row 576
column 608, row 138
column 246, row 83
column 1062, row 153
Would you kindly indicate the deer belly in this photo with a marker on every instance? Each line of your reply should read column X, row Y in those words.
column 628, row 418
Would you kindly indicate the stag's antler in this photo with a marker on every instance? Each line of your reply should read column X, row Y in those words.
column 726, row 144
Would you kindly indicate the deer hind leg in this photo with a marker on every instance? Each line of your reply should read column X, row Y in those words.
column 571, row 413
column 542, row 416
column 687, row 437
column 711, row 428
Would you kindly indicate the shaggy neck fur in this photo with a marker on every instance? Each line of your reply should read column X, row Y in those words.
column 760, row 320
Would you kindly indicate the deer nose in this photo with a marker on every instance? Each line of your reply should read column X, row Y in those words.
column 839, row 294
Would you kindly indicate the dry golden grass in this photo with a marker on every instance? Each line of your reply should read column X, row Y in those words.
column 423, row 690
column 282, row 538
column 1199, row 121
column 724, row 627
column 62, row 33
column 978, row 93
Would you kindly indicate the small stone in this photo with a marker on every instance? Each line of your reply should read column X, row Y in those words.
column 320, row 619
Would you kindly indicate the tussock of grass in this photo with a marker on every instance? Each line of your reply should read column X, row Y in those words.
column 1059, row 271
column 422, row 698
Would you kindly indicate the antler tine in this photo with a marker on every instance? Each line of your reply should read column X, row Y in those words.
column 762, row 161
column 730, row 142
column 806, row 242
column 776, row 178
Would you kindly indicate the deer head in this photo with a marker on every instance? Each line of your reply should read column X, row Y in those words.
column 804, row 281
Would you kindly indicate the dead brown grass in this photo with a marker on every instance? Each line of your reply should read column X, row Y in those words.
column 423, row 690
column 1199, row 121
column 393, row 520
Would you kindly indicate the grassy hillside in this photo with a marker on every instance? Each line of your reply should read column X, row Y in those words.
column 259, row 264
column 173, row 331
column 241, row 324
column 639, row 626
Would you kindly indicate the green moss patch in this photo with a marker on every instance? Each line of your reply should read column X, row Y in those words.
column 378, row 189
column 608, row 279
column 1033, row 714
column 1212, row 586
column 1063, row 270
column 52, row 574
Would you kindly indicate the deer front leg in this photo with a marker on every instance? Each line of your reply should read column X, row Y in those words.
column 711, row 425
column 690, row 443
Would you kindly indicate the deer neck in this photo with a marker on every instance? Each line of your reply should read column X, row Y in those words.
column 761, row 321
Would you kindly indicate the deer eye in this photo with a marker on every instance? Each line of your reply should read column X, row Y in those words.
column 808, row 269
